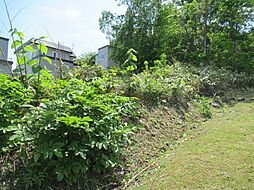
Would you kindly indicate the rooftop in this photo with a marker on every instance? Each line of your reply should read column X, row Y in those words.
column 3, row 38
column 53, row 45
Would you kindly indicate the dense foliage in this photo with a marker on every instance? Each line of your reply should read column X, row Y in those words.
column 86, row 58
column 198, row 31
column 62, row 128
column 74, row 125
column 65, row 127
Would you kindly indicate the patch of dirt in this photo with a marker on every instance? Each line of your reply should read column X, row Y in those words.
column 163, row 127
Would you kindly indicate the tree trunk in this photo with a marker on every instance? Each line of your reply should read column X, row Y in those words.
column 205, row 26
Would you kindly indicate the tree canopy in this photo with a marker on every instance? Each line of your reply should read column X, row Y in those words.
column 194, row 31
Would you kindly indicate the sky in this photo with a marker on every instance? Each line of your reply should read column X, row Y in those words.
column 74, row 23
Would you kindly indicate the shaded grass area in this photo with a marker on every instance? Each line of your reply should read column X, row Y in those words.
column 217, row 155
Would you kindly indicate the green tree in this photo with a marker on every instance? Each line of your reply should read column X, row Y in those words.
column 194, row 31
column 86, row 58
column 135, row 29
column 234, row 21
column 216, row 31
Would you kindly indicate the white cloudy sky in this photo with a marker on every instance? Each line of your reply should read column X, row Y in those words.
column 71, row 22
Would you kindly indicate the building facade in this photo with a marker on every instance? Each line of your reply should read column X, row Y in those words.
column 62, row 57
column 5, row 65
column 103, row 58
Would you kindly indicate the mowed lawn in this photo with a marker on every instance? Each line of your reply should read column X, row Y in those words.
column 220, row 156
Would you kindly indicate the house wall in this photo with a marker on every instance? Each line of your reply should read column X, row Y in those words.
column 3, row 48
column 54, row 68
column 4, row 67
column 111, row 63
column 52, row 53
column 103, row 58
column 56, row 64
column 59, row 54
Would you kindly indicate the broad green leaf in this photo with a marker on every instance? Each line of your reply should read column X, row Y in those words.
column 46, row 73
column 36, row 69
column 133, row 57
column 33, row 62
column 29, row 48
column 58, row 153
column 60, row 177
column 13, row 137
column 46, row 155
column 42, row 48
column 51, row 154
column 9, row 128
column 22, row 60
column 20, row 34
column 47, row 59
column 15, row 44
column 87, row 119
column 37, row 156
column 99, row 145
column 130, row 68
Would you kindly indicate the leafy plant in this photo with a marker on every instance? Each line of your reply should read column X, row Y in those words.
column 13, row 95
column 203, row 104
column 81, row 131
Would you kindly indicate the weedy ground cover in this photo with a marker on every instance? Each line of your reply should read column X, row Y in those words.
column 70, row 132
column 216, row 155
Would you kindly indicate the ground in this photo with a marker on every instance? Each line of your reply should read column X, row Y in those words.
column 219, row 154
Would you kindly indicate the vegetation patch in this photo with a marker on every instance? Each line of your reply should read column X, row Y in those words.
column 91, row 128
column 220, row 157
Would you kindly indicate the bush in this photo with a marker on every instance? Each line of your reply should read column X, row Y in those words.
column 13, row 95
column 216, row 81
column 68, row 128
column 173, row 83
column 203, row 105
column 73, row 129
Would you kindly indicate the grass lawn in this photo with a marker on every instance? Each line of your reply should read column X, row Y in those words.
column 221, row 156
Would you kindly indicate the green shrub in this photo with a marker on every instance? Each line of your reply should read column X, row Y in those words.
column 203, row 104
column 167, row 82
column 68, row 128
column 78, row 130
column 13, row 95
column 216, row 81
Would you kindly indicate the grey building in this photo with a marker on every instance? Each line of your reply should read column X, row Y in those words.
column 5, row 65
column 103, row 58
column 62, row 57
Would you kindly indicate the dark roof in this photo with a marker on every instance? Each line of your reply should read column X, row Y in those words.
column 4, row 61
column 104, row 47
column 3, row 38
column 48, row 44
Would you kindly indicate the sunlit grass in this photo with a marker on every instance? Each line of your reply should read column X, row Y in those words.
column 220, row 157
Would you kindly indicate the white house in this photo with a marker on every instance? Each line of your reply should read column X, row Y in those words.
column 62, row 56
column 5, row 65
column 103, row 58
